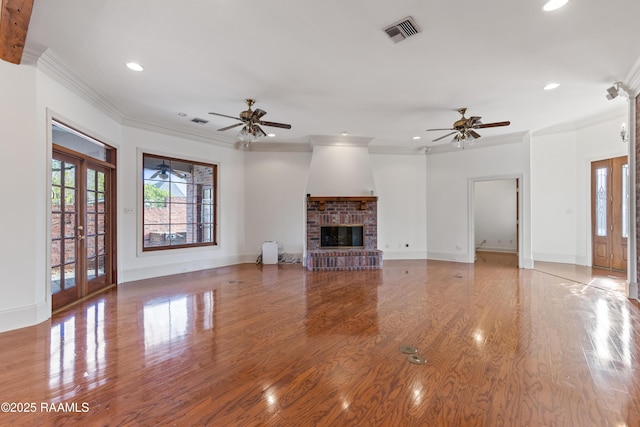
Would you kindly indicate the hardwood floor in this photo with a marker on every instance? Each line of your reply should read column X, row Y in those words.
column 276, row 345
column 610, row 280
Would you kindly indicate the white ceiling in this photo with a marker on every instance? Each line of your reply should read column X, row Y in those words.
column 327, row 67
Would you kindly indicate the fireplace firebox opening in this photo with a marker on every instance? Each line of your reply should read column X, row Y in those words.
column 342, row 236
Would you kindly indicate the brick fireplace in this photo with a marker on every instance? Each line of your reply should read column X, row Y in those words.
column 343, row 212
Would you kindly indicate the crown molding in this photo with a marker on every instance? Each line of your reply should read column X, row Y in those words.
column 53, row 66
column 632, row 81
column 179, row 133
column 613, row 113
column 31, row 53
column 402, row 150
column 280, row 147
column 342, row 141
column 487, row 141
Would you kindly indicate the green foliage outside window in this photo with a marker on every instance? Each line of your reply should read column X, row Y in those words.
column 155, row 197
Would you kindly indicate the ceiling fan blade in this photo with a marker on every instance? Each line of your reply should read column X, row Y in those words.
column 275, row 125
column 178, row 174
column 474, row 134
column 440, row 129
column 258, row 113
column 492, row 125
column 230, row 127
column 258, row 131
column 473, row 121
column 224, row 115
column 443, row 137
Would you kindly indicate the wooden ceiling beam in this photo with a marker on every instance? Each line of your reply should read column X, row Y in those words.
column 14, row 24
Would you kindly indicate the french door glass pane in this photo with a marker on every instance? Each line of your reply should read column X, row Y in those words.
column 69, row 225
column 63, row 225
column 69, row 276
column 55, row 280
column 56, row 172
column 96, row 242
column 601, row 201
column 56, row 225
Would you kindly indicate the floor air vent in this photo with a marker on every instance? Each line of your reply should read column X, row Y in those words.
column 402, row 29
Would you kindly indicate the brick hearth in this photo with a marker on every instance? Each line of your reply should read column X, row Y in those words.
column 326, row 211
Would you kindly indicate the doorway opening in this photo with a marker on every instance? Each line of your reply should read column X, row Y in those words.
column 82, row 216
column 495, row 218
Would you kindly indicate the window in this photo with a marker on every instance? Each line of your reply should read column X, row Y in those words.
column 179, row 203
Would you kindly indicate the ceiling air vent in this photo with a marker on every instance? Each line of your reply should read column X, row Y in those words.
column 200, row 121
column 402, row 29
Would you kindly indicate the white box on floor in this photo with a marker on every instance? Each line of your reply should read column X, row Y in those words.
column 270, row 252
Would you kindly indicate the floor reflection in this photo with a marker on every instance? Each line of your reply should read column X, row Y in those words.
column 62, row 353
column 344, row 307
column 168, row 322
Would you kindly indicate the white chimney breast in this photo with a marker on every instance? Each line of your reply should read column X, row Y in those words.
column 341, row 167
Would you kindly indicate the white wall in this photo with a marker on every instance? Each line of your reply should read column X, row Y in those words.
column 275, row 200
column 450, row 186
column 24, row 168
column 340, row 170
column 495, row 214
column 560, row 175
column 276, row 186
column 401, row 187
column 135, row 264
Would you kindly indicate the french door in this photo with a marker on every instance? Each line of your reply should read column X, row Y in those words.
column 610, row 213
column 81, row 226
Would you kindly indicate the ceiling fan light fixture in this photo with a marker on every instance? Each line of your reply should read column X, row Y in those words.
column 247, row 135
column 552, row 5
column 163, row 175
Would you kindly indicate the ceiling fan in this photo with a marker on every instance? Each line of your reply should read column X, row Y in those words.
column 251, row 119
column 163, row 170
column 464, row 128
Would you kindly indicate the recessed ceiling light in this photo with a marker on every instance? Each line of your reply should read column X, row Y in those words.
column 345, row 133
column 416, row 137
column 551, row 86
column 271, row 135
column 554, row 5
column 134, row 66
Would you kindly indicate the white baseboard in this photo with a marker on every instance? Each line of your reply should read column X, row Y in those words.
column 447, row 256
column 131, row 275
column 21, row 317
column 386, row 254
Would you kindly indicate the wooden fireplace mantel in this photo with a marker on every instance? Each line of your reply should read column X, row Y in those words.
column 362, row 199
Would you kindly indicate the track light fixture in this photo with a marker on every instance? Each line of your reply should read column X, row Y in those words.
column 614, row 91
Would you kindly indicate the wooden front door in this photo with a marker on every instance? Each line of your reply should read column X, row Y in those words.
column 609, row 213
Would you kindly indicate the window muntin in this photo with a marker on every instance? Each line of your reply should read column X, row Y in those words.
column 179, row 203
